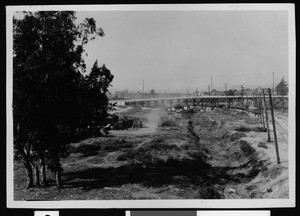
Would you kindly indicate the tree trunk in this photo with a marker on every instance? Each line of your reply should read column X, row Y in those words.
column 43, row 171
column 29, row 174
column 37, row 176
column 58, row 179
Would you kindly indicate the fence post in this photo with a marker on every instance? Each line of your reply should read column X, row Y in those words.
column 266, row 115
column 274, row 128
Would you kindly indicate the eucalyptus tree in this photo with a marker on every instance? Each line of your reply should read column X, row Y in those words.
column 51, row 87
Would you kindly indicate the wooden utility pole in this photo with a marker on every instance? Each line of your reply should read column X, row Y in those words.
column 266, row 115
column 261, row 110
column 274, row 127
column 255, row 105
column 273, row 84
column 143, row 89
column 211, row 83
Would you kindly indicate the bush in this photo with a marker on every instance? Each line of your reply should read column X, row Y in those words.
column 247, row 149
column 88, row 150
column 185, row 146
column 139, row 155
column 115, row 145
column 237, row 135
column 209, row 192
column 260, row 129
column 246, row 129
column 168, row 123
column 243, row 129
column 262, row 145
column 122, row 157
column 178, row 106
column 163, row 146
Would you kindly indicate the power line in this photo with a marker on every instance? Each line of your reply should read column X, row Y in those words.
column 281, row 127
column 283, row 137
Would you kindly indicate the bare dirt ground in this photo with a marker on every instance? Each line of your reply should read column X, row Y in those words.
column 222, row 154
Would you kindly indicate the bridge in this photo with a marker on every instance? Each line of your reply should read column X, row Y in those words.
column 235, row 101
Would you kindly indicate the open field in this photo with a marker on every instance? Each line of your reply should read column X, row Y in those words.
column 220, row 154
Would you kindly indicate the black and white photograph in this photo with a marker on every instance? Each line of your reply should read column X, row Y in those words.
column 150, row 106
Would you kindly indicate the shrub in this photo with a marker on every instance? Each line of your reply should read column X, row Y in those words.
column 260, row 129
column 163, row 146
column 262, row 145
column 88, row 150
column 115, row 145
column 243, row 129
column 168, row 123
column 237, row 135
column 139, row 155
column 185, row 146
column 209, row 192
column 247, row 149
column 178, row 106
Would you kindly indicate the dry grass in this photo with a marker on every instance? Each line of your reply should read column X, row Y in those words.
column 190, row 156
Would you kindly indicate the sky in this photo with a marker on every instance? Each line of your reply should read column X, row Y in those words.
column 179, row 50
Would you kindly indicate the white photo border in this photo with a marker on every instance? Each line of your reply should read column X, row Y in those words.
column 173, row 204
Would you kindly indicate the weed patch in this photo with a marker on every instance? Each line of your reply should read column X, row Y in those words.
column 168, row 123
column 236, row 136
column 87, row 150
column 262, row 145
column 209, row 192
column 260, row 129
column 243, row 129
column 247, row 149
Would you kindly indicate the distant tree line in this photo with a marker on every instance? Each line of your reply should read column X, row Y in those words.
column 282, row 87
column 53, row 95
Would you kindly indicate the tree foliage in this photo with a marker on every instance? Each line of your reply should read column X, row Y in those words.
column 282, row 87
column 52, row 94
column 230, row 92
